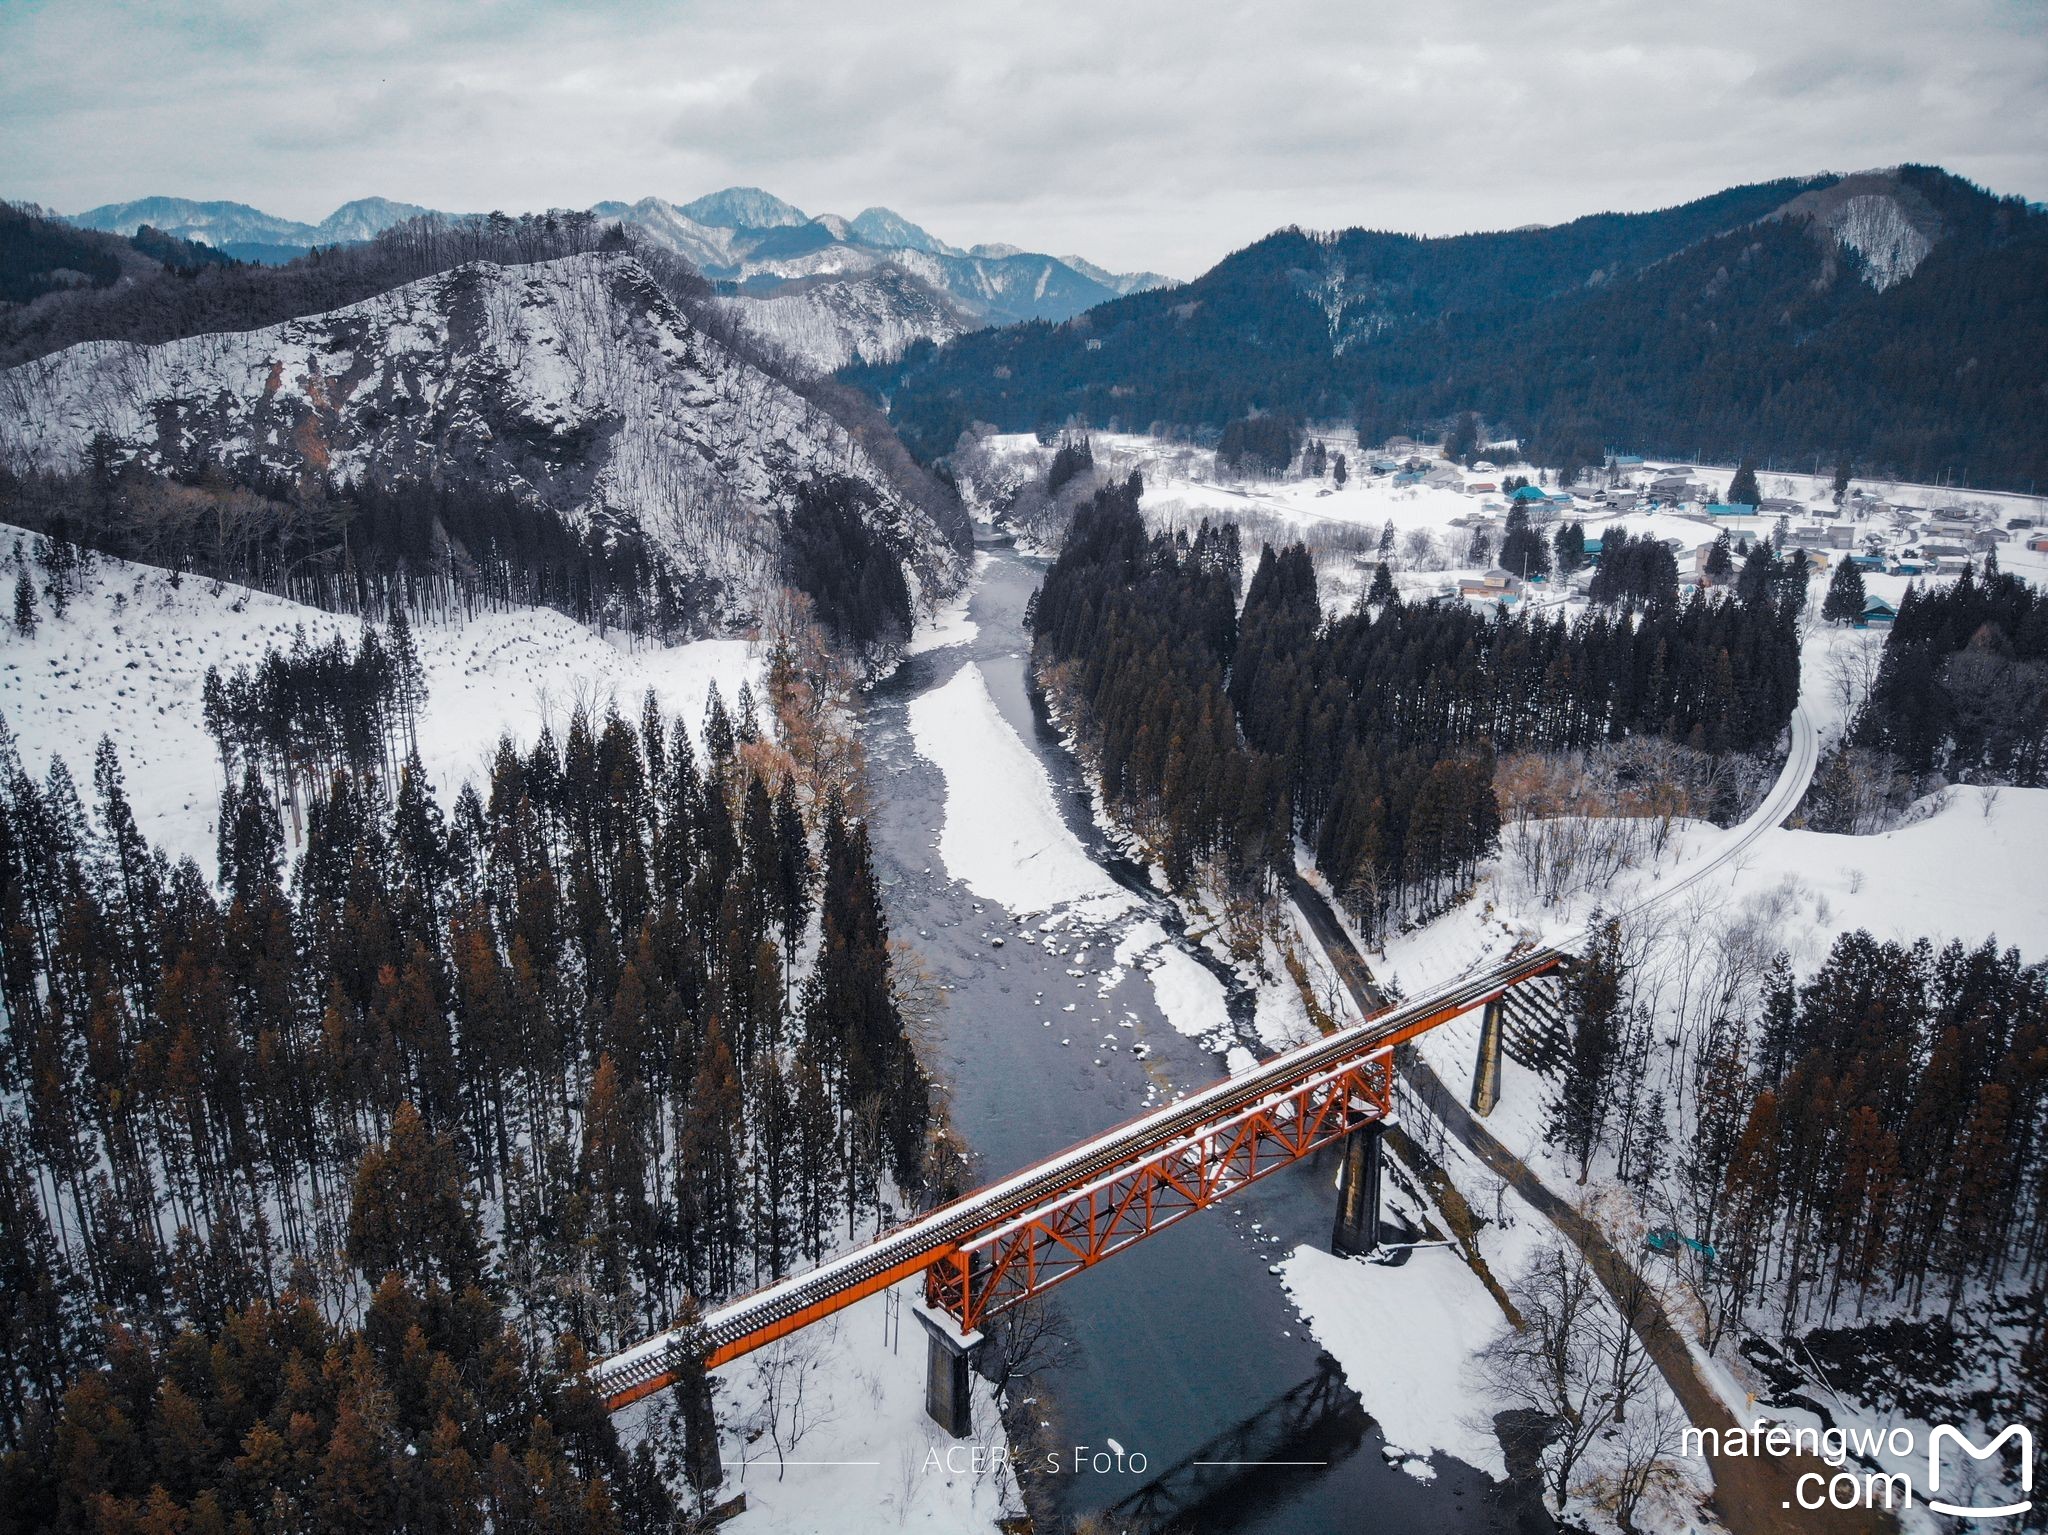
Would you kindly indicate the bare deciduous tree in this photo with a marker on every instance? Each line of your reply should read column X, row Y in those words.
column 1556, row 1363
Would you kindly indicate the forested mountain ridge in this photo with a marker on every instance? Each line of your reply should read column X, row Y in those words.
column 40, row 256
column 577, row 385
column 1893, row 316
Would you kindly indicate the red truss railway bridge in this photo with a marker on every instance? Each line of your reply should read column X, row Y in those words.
column 986, row 1251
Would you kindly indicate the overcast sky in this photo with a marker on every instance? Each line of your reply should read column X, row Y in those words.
column 1137, row 134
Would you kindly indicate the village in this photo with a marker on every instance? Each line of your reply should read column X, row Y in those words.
column 1449, row 521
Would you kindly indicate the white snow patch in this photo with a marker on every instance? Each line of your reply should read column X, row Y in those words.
column 1003, row 837
column 1404, row 1336
column 1190, row 996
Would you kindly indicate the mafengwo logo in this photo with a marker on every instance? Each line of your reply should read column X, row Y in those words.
column 1945, row 1433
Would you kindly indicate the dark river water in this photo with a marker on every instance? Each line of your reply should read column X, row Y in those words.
column 1186, row 1347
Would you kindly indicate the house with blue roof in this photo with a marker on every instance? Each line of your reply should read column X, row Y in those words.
column 1877, row 614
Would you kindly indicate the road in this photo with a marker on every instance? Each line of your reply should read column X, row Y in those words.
column 1753, row 1494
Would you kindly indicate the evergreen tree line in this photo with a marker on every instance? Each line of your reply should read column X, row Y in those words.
column 627, row 1013
column 1895, row 1128
column 1371, row 735
column 362, row 547
column 299, row 716
column 1962, row 687
column 1135, row 635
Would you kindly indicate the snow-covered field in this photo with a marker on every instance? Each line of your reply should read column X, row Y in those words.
column 129, row 657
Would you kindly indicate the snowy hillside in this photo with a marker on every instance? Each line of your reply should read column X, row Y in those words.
column 574, row 382
column 1887, row 223
column 129, row 657
column 831, row 321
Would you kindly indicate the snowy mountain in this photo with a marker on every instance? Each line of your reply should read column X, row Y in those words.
column 891, row 230
column 226, row 225
column 1119, row 282
column 830, row 320
column 760, row 243
column 217, row 223
column 744, row 208
column 920, row 286
column 576, row 383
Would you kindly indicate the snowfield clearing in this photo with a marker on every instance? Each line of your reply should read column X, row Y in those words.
column 130, row 656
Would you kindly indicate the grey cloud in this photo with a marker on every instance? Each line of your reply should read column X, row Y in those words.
column 1142, row 134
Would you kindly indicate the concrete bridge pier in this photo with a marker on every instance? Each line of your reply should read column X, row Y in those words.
column 1486, row 1071
column 1358, row 1192
column 948, row 1380
column 703, row 1468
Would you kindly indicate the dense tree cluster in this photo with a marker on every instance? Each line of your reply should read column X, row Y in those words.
column 1373, row 735
column 434, row 549
column 1136, row 635
column 1634, row 571
column 1882, row 1128
column 1259, row 445
column 1962, row 690
column 832, row 553
column 1524, row 552
column 1389, row 719
column 1076, row 456
column 39, row 255
column 299, row 716
column 627, row 1014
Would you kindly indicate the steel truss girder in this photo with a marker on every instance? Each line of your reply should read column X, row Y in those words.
column 1080, row 1226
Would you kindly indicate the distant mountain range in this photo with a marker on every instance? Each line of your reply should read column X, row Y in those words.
column 1898, row 318
column 830, row 289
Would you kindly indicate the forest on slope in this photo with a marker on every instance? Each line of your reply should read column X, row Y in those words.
column 1374, row 736
column 321, row 1174
column 1749, row 325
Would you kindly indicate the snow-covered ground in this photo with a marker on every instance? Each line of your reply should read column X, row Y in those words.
column 130, row 655
column 1408, row 1335
column 864, row 1459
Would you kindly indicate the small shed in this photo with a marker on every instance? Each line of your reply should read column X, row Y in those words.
column 1877, row 614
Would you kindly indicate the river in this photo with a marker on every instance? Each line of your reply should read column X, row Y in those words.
column 1188, row 1349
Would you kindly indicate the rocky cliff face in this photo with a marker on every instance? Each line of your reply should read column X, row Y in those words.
column 1884, row 221
column 575, row 383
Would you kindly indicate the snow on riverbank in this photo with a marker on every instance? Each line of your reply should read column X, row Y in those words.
column 950, row 625
column 1405, row 1336
column 1003, row 837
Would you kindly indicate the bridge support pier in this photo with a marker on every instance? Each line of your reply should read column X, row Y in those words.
column 703, row 1468
column 948, row 1383
column 1486, row 1071
column 1358, row 1192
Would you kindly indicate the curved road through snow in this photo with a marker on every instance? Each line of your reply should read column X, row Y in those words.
column 1753, row 1494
